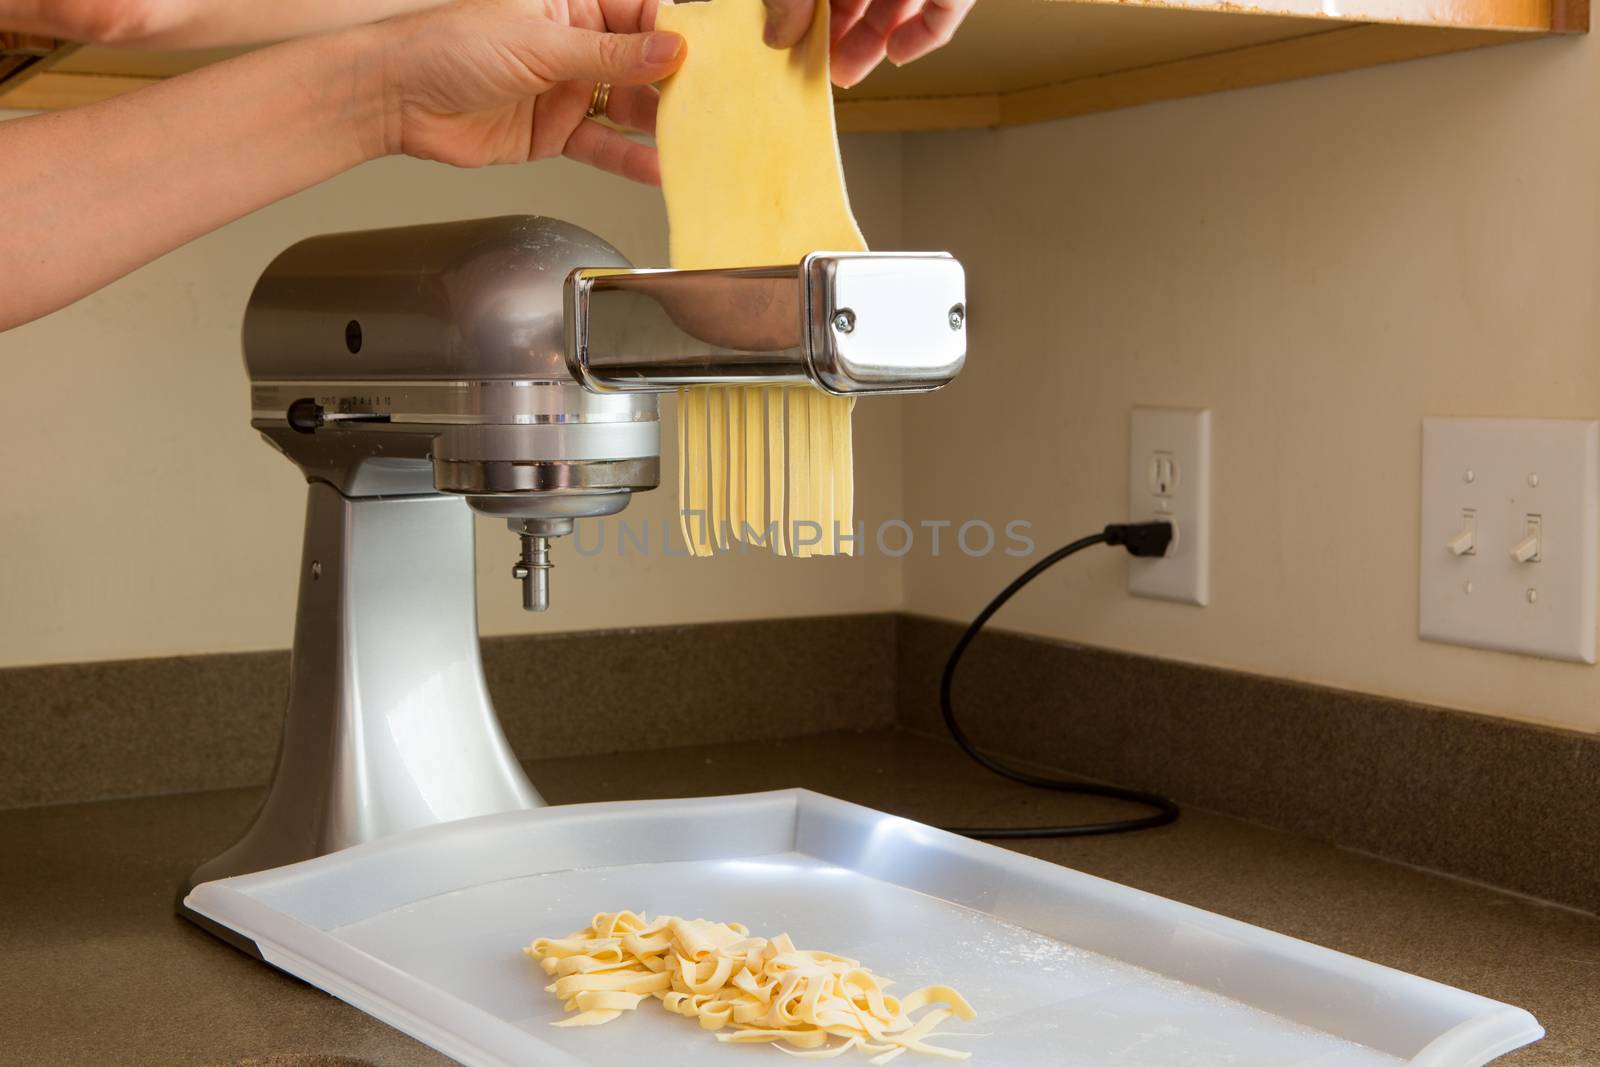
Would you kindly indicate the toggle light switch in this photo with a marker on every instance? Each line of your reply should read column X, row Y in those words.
column 1527, row 579
column 1527, row 549
column 1465, row 543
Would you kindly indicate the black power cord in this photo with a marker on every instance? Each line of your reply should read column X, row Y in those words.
column 1140, row 539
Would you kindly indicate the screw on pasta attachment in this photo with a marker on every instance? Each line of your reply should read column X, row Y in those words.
column 750, row 990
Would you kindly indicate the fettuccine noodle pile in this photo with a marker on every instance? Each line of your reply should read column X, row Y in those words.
column 753, row 989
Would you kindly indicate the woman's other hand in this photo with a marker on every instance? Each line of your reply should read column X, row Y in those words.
column 866, row 32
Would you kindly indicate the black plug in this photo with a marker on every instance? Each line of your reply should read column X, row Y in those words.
column 1141, row 538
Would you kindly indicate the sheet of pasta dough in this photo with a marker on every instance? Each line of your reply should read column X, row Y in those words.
column 751, row 173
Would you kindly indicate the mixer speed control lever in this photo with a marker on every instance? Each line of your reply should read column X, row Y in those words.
column 304, row 416
column 307, row 416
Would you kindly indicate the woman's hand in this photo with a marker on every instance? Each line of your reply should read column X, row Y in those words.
column 483, row 81
column 507, row 81
column 865, row 32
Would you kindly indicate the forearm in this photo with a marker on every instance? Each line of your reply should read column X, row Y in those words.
column 193, row 23
column 94, row 192
column 233, row 22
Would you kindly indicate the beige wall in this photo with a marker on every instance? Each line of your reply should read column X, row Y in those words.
column 143, row 517
column 1321, row 263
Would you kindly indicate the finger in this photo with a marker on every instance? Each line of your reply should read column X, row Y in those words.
column 867, row 42
column 625, row 16
column 634, row 107
column 856, row 53
column 886, row 16
column 614, row 153
column 566, row 53
column 555, row 115
column 787, row 21
column 843, row 16
column 931, row 29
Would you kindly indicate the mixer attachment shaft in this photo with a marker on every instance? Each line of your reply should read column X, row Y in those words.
column 533, row 568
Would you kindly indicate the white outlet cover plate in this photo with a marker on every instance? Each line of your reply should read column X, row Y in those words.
column 1501, row 457
column 1175, row 442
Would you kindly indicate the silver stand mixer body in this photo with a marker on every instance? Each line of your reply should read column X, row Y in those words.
column 509, row 367
column 426, row 372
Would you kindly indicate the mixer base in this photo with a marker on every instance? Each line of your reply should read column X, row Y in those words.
column 389, row 725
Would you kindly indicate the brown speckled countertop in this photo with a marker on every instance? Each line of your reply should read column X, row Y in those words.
column 99, row 971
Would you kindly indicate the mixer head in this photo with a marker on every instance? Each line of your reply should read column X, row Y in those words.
column 432, row 359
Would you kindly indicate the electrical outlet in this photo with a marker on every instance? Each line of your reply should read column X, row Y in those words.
column 1169, row 478
column 1511, row 535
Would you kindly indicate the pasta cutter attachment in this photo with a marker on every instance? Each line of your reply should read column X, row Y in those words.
column 850, row 323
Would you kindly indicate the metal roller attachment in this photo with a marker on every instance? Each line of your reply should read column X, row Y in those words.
column 850, row 323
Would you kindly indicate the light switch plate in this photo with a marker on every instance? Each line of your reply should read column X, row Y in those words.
column 1505, row 479
column 1169, row 477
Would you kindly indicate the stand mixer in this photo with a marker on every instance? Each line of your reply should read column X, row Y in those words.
column 510, row 367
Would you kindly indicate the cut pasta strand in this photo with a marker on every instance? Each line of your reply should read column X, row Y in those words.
column 766, row 466
column 749, row 990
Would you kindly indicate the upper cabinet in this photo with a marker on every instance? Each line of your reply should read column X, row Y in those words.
column 1015, row 61
column 1021, row 61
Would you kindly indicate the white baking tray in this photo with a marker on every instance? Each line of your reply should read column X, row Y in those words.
column 424, row 930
